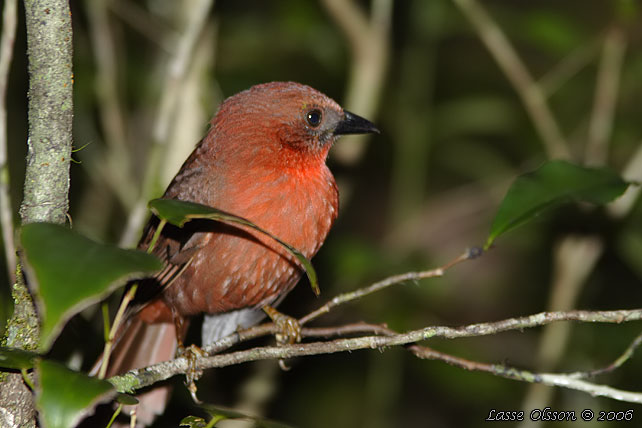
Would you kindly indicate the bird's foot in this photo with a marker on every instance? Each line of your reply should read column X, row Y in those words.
column 191, row 353
column 288, row 328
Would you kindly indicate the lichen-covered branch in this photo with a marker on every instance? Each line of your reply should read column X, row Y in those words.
column 140, row 378
column 49, row 45
column 49, row 49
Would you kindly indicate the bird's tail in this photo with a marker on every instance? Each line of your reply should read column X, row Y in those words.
column 139, row 345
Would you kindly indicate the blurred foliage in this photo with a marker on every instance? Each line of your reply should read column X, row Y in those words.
column 454, row 134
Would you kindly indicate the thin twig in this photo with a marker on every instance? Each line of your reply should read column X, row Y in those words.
column 528, row 90
column 387, row 282
column 128, row 297
column 626, row 355
column 344, row 330
column 429, row 353
column 269, row 328
column 27, row 379
column 569, row 66
column 161, row 225
column 608, row 83
column 9, row 23
column 569, row 381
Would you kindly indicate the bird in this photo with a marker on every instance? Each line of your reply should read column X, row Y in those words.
column 263, row 159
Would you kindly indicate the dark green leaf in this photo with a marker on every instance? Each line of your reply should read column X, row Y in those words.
column 69, row 272
column 126, row 399
column 64, row 396
column 220, row 413
column 180, row 212
column 193, row 422
column 12, row 358
column 552, row 184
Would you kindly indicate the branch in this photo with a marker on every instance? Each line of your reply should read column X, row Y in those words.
column 380, row 337
column 16, row 399
column 147, row 376
column 528, row 90
column 49, row 47
column 50, row 111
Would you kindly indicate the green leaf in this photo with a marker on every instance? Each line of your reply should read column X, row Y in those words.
column 64, row 397
column 180, row 212
column 126, row 399
column 194, row 422
column 554, row 183
column 221, row 413
column 13, row 358
column 69, row 272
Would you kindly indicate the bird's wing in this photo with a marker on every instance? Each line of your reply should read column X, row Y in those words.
column 176, row 247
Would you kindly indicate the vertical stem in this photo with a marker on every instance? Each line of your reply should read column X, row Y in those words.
column 49, row 47
column 50, row 111
column 606, row 94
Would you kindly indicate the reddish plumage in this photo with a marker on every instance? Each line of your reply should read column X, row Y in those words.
column 263, row 159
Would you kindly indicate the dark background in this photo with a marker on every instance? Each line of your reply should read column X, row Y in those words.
column 454, row 134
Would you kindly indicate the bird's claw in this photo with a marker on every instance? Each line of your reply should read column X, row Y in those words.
column 191, row 354
column 288, row 329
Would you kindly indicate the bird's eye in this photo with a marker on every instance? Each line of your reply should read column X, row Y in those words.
column 314, row 118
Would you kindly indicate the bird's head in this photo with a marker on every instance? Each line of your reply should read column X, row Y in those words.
column 287, row 120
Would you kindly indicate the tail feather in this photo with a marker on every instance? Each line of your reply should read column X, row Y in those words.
column 141, row 345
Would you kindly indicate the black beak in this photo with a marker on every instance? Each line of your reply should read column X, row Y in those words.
column 353, row 124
